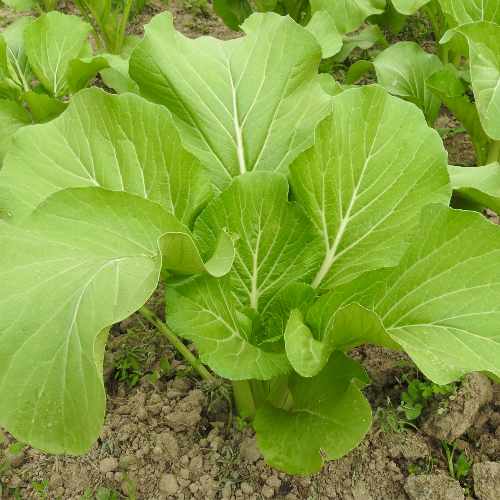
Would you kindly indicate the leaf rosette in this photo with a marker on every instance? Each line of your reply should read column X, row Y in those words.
column 329, row 229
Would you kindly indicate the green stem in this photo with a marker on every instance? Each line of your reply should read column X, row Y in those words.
column 493, row 152
column 434, row 24
column 258, row 390
column 457, row 59
column 307, row 16
column 442, row 50
column 176, row 341
column 243, row 397
column 441, row 17
column 279, row 391
column 123, row 25
column 85, row 14
column 38, row 8
column 479, row 153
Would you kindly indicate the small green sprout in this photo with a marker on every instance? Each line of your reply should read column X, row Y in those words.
column 42, row 489
column 460, row 469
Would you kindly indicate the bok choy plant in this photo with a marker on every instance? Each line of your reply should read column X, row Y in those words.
column 52, row 50
column 463, row 76
column 287, row 225
column 111, row 26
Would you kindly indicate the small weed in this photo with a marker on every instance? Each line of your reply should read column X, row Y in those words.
column 199, row 8
column 428, row 468
column 128, row 358
column 241, row 419
column 229, row 476
column 390, row 422
column 99, row 494
column 419, row 392
column 330, row 67
column 162, row 370
column 460, row 469
column 215, row 392
column 131, row 489
column 42, row 489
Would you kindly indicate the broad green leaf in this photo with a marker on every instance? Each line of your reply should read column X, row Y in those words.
column 13, row 116
column 81, row 71
column 203, row 309
column 298, row 296
column 402, row 70
column 366, row 39
column 277, row 243
column 484, row 45
column 449, row 89
column 117, row 142
column 20, row 5
column 310, row 343
column 6, row 70
column 129, row 44
column 323, row 28
column 330, row 416
column 10, row 90
column 441, row 302
column 409, row 7
column 457, row 43
column 356, row 71
column 94, row 252
column 13, row 35
column 306, row 354
column 329, row 84
column 190, row 260
column 51, row 43
column 348, row 15
column 43, row 108
column 373, row 166
column 241, row 105
column 116, row 76
column 390, row 18
column 232, row 12
column 469, row 11
column 479, row 185
column 267, row 5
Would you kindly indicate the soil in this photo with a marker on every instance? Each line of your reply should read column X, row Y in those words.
column 174, row 438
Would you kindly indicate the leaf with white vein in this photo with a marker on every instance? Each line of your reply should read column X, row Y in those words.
column 51, row 43
column 484, row 48
column 122, row 143
column 469, row 11
column 241, row 105
column 277, row 243
column 374, row 164
column 402, row 70
column 203, row 309
column 441, row 303
column 83, row 261
column 348, row 15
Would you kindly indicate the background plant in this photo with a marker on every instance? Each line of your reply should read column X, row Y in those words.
column 51, row 51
